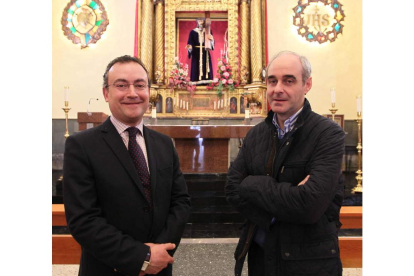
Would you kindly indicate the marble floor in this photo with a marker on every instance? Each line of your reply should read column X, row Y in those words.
column 199, row 257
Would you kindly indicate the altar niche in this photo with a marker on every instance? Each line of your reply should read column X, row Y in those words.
column 239, row 35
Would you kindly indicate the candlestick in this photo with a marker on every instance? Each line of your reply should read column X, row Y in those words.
column 358, row 187
column 66, row 109
column 187, row 105
column 333, row 110
column 218, row 104
column 181, row 103
column 154, row 112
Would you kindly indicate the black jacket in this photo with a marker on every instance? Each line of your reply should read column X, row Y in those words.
column 105, row 205
column 262, row 184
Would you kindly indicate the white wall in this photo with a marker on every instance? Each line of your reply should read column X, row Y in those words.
column 82, row 70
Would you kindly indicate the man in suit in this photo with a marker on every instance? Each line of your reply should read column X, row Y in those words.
column 125, row 197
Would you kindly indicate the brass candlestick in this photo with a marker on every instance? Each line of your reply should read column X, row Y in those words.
column 66, row 109
column 333, row 110
column 358, row 188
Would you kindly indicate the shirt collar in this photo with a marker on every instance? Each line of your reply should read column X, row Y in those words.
column 121, row 127
column 289, row 123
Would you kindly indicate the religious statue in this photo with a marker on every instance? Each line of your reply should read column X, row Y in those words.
column 158, row 79
column 233, row 105
column 244, row 75
column 169, row 105
column 200, row 42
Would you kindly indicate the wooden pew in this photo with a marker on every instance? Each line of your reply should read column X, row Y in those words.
column 65, row 250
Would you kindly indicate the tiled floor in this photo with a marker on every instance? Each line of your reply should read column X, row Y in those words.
column 199, row 257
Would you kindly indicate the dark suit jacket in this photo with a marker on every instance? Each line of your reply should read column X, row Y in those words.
column 106, row 209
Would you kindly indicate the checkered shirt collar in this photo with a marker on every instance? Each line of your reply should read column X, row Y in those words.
column 289, row 124
column 121, row 127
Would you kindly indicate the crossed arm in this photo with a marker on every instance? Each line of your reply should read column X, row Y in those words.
column 260, row 198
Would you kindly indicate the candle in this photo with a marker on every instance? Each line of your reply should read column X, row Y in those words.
column 66, row 93
column 333, row 95
column 154, row 112
column 187, row 105
column 214, row 105
column 247, row 114
column 181, row 103
column 359, row 107
column 222, row 103
column 218, row 104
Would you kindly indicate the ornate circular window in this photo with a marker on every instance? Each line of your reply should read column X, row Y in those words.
column 84, row 21
column 319, row 20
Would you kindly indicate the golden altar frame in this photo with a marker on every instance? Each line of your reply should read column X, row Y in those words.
column 157, row 48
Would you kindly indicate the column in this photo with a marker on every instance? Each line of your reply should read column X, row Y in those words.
column 159, row 42
column 146, row 37
column 244, row 42
column 256, row 41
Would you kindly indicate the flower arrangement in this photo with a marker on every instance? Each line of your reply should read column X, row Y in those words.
column 179, row 77
column 224, row 78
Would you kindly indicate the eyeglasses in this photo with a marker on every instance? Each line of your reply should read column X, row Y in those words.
column 124, row 86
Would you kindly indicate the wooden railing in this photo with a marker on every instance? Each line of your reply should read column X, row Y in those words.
column 65, row 250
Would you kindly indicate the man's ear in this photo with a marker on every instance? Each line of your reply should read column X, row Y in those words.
column 105, row 93
column 308, row 85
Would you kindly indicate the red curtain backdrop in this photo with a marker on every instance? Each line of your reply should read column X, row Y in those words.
column 218, row 29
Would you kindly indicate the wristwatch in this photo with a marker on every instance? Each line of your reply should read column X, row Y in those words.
column 147, row 261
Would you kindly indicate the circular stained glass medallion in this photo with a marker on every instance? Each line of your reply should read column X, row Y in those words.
column 319, row 20
column 84, row 21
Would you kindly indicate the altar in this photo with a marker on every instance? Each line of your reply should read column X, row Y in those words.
column 238, row 59
column 203, row 148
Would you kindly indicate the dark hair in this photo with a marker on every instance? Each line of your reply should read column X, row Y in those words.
column 124, row 59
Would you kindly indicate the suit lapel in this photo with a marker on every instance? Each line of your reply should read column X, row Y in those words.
column 114, row 141
column 150, row 142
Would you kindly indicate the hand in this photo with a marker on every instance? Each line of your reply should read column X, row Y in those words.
column 189, row 46
column 304, row 180
column 210, row 37
column 159, row 257
column 142, row 273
